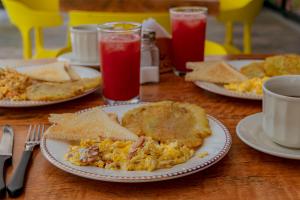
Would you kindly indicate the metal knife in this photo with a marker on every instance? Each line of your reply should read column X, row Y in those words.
column 6, row 149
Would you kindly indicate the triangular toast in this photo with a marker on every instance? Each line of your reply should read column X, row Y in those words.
column 52, row 72
column 93, row 124
column 213, row 71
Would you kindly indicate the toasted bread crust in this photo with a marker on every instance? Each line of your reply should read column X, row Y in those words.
column 91, row 124
column 215, row 72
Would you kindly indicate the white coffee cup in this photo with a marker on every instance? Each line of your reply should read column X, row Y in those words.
column 85, row 43
column 281, row 110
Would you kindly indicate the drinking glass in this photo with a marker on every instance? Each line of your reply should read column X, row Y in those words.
column 188, row 36
column 120, row 47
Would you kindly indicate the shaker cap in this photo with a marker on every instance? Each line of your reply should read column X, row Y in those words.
column 148, row 34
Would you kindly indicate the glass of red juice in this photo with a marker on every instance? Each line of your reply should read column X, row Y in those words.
column 120, row 47
column 188, row 36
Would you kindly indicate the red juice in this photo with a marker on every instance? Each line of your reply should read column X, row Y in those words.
column 120, row 66
column 188, row 38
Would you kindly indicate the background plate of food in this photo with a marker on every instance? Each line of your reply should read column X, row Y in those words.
column 39, row 85
column 225, row 78
column 241, row 78
column 142, row 142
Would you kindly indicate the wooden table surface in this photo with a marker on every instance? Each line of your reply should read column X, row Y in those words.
column 243, row 174
column 136, row 5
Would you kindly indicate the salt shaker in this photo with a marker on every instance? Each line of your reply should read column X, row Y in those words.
column 149, row 58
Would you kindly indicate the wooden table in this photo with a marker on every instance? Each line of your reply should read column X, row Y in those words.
column 243, row 174
column 136, row 5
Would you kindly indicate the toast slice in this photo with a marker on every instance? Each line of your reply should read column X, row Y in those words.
column 52, row 72
column 72, row 73
column 93, row 124
column 213, row 71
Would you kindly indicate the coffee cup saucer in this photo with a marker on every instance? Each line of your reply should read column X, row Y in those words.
column 69, row 57
column 250, row 131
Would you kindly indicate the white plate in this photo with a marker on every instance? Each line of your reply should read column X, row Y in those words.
column 218, row 89
column 68, row 57
column 217, row 146
column 83, row 72
column 249, row 130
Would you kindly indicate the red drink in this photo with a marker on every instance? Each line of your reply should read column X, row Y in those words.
column 120, row 66
column 188, row 35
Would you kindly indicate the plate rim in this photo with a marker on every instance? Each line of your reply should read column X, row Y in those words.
column 68, row 57
column 205, row 85
column 258, row 147
column 183, row 172
column 30, row 103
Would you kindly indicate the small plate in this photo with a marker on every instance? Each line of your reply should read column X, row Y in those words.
column 249, row 130
column 219, row 89
column 83, row 72
column 217, row 146
column 68, row 57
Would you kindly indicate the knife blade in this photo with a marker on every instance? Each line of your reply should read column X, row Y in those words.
column 6, row 148
column 7, row 140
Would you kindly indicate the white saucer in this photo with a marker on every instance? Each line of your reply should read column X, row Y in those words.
column 68, row 57
column 249, row 130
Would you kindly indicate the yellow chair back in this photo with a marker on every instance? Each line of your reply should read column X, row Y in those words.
column 42, row 5
column 84, row 17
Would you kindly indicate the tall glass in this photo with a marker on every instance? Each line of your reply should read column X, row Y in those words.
column 188, row 36
column 120, row 47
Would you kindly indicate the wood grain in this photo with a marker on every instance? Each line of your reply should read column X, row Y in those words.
column 243, row 174
column 136, row 5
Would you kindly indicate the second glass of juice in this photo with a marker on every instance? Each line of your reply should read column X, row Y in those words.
column 120, row 47
column 188, row 36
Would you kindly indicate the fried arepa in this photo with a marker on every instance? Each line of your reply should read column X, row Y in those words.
column 169, row 121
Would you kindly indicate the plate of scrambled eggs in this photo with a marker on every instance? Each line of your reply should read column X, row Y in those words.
column 226, row 78
column 248, row 88
column 133, row 158
column 241, row 78
column 38, row 85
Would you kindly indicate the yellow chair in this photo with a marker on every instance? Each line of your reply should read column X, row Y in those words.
column 84, row 17
column 34, row 14
column 243, row 11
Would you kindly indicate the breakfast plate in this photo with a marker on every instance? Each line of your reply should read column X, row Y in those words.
column 249, row 130
column 219, row 89
column 216, row 146
column 68, row 57
column 83, row 72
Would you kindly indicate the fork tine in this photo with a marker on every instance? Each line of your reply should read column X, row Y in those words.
column 28, row 133
column 33, row 133
column 40, row 135
column 36, row 135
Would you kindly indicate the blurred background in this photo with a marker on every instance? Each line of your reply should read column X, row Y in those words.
column 275, row 24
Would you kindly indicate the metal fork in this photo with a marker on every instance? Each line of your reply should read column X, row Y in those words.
column 16, row 184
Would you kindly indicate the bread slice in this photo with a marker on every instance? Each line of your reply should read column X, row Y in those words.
column 93, row 124
column 215, row 72
column 52, row 72
column 72, row 73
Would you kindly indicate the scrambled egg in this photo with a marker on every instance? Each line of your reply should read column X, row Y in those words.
column 253, row 85
column 145, row 154
column 13, row 85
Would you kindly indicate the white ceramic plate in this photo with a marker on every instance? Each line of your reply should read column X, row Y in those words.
column 249, row 130
column 83, row 72
column 219, row 89
column 217, row 146
column 68, row 57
